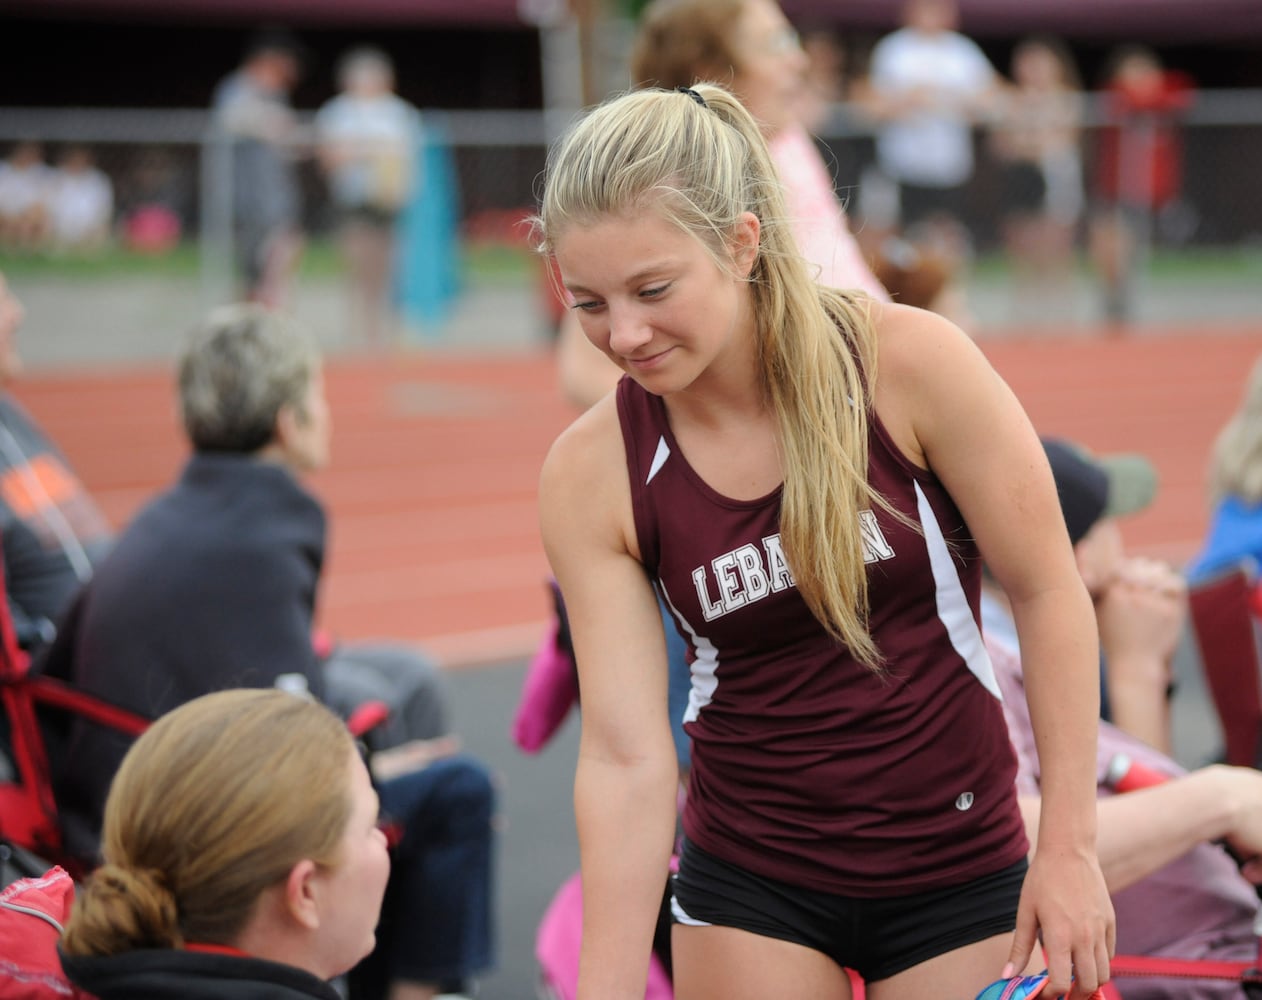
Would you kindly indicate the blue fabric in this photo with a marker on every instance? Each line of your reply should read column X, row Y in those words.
column 1235, row 535
column 437, row 924
column 680, row 685
column 427, row 276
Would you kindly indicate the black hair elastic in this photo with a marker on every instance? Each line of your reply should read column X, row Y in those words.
column 693, row 94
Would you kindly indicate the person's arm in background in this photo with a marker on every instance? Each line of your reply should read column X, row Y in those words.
column 41, row 578
column 1141, row 616
column 983, row 101
column 31, row 632
column 584, row 372
column 1141, row 831
column 1144, row 830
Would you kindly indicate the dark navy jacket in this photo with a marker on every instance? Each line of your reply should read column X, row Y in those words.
column 212, row 586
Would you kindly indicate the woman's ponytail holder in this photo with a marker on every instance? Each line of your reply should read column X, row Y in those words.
column 693, row 94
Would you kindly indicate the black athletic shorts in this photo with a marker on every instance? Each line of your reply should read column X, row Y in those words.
column 878, row 938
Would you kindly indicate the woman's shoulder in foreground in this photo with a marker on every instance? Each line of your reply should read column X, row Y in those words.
column 914, row 342
column 587, row 451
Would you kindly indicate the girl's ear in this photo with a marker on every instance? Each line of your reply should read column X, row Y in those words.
column 743, row 243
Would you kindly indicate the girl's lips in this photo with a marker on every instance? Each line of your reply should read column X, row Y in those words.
column 650, row 362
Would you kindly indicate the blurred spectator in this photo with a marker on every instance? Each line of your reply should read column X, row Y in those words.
column 252, row 109
column 81, row 203
column 1160, row 848
column 1235, row 486
column 927, row 86
column 368, row 138
column 1176, row 892
column 51, row 530
column 1037, row 140
column 25, row 189
column 1140, row 604
column 154, row 202
column 825, row 75
column 1138, row 169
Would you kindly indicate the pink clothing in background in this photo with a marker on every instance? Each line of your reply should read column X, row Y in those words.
column 818, row 219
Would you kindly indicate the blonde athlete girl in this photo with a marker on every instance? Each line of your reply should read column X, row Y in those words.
column 811, row 479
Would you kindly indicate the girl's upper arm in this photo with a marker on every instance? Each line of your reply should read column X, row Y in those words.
column 589, row 535
column 952, row 412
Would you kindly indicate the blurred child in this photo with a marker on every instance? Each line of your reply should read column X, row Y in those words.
column 25, row 186
column 81, row 205
column 1138, row 166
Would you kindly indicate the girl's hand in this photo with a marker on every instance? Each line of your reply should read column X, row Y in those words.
column 1065, row 901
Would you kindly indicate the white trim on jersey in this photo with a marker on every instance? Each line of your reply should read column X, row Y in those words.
column 953, row 610
column 704, row 681
column 659, row 458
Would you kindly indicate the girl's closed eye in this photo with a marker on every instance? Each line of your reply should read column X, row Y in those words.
column 586, row 305
column 655, row 292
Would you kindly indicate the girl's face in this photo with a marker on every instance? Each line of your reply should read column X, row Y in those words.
column 654, row 300
column 356, row 884
column 770, row 65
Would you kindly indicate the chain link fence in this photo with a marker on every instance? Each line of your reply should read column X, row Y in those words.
column 169, row 181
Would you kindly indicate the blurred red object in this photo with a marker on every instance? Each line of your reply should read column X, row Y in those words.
column 152, row 229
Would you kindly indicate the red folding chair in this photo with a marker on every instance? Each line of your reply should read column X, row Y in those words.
column 1225, row 626
column 28, row 811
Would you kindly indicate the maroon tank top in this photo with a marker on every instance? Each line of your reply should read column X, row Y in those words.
column 806, row 766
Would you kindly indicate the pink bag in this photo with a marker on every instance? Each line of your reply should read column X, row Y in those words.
column 557, row 945
column 548, row 693
column 32, row 912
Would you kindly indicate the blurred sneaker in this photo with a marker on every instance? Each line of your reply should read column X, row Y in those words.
column 1018, row 988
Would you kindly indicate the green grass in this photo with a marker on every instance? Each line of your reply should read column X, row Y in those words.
column 490, row 263
column 112, row 262
column 1208, row 263
column 320, row 260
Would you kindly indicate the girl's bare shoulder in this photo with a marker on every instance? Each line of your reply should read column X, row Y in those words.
column 914, row 342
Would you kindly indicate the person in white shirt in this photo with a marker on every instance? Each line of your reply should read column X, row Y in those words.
column 928, row 84
column 81, row 207
column 368, row 139
column 25, row 186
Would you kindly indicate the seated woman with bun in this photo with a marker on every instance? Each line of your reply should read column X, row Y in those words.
column 242, row 858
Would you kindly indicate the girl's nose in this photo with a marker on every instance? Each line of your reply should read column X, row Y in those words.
column 628, row 331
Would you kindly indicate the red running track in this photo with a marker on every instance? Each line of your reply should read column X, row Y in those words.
column 431, row 492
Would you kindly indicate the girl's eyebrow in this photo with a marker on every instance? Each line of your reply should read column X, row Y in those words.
column 639, row 276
